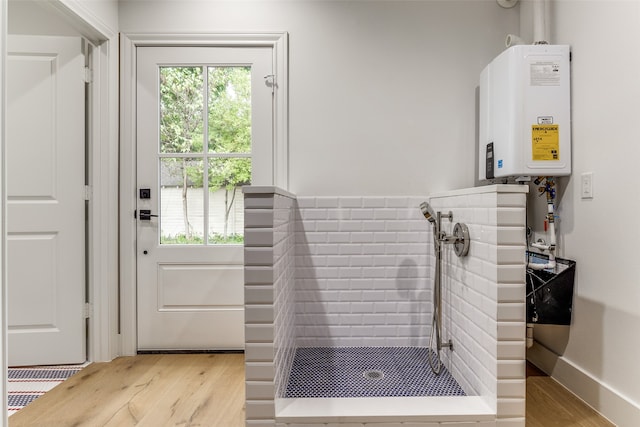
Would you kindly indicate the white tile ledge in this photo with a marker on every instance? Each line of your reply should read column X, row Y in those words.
column 266, row 189
column 383, row 409
column 496, row 188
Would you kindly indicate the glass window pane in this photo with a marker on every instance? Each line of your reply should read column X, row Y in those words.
column 229, row 109
column 181, row 109
column 226, row 204
column 181, row 201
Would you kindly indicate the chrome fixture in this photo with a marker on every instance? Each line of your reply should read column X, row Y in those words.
column 460, row 241
column 428, row 212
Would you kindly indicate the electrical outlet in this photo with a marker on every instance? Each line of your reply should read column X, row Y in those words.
column 587, row 185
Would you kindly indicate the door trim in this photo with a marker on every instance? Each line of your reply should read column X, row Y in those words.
column 128, row 45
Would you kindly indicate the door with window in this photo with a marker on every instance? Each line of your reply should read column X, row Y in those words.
column 204, row 130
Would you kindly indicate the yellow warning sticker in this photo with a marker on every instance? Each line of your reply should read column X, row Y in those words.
column 545, row 142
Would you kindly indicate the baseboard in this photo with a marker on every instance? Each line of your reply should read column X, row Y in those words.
column 608, row 402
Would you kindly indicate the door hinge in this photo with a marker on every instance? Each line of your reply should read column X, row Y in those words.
column 87, row 192
column 88, row 75
column 87, row 310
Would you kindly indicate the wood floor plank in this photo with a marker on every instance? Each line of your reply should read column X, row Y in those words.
column 549, row 404
column 135, row 376
column 208, row 390
column 168, row 375
column 204, row 395
column 85, row 397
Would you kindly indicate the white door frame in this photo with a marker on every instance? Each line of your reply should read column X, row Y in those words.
column 102, row 271
column 128, row 44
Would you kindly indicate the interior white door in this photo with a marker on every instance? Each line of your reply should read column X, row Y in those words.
column 45, row 200
column 204, row 128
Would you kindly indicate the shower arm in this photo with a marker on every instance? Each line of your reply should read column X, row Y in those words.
column 439, row 235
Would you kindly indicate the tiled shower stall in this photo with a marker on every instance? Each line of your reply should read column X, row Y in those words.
column 358, row 271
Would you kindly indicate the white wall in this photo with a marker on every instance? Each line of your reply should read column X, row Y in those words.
column 601, row 348
column 382, row 93
column 27, row 17
column 57, row 17
column 106, row 11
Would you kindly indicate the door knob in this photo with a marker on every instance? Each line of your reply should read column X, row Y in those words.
column 145, row 215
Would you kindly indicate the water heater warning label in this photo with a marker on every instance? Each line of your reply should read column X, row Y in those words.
column 545, row 142
column 545, row 73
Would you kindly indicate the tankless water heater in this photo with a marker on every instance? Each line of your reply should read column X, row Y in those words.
column 525, row 125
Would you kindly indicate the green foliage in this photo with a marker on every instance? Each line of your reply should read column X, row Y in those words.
column 181, row 239
column 181, row 108
column 229, row 173
column 229, row 128
column 214, row 238
column 230, row 109
column 217, row 238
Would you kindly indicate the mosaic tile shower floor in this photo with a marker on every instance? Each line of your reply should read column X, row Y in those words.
column 367, row 372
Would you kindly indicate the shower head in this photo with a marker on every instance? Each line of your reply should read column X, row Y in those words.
column 428, row 212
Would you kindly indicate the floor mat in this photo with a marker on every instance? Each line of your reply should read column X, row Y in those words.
column 28, row 383
column 367, row 372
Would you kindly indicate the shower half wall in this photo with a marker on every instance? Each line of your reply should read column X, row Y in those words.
column 356, row 271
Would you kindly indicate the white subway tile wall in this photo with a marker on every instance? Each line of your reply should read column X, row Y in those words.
column 284, row 289
column 360, row 273
column 269, row 300
column 483, row 307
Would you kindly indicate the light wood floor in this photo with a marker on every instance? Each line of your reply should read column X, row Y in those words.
column 207, row 390
column 550, row 405
column 145, row 390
